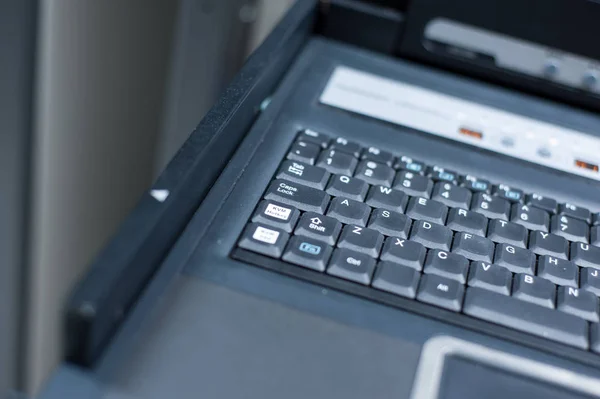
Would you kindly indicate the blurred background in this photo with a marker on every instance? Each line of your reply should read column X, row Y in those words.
column 95, row 98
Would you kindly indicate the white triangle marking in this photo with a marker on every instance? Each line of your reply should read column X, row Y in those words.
column 160, row 195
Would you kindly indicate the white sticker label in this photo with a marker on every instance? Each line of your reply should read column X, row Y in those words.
column 265, row 235
column 278, row 212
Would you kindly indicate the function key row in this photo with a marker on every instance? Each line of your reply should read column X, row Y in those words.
column 342, row 156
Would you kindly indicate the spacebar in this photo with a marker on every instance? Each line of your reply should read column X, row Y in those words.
column 527, row 317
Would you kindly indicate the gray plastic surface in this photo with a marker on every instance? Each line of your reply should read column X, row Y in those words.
column 212, row 327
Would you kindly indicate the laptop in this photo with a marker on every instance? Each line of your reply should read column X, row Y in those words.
column 392, row 200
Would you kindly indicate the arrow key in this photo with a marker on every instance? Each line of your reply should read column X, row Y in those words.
column 319, row 227
column 569, row 228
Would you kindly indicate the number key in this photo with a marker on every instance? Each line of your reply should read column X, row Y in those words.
column 375, row 173
column 530, row 217
column 413, row 184
column 571, row 229
column 491, row 206
column 451, row 195
column 337, row 162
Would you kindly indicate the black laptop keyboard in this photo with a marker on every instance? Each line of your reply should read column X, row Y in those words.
column 421, row 231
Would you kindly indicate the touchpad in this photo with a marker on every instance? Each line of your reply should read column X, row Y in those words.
column 451, row 368
column 462, row 379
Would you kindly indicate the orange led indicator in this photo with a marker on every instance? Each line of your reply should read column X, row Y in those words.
column 471, row 133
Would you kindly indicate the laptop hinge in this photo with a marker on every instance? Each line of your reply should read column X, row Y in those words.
column 361, row 23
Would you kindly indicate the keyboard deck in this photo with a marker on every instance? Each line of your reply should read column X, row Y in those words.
column 344, row 210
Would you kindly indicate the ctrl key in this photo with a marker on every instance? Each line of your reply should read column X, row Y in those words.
column 307, row 253
column 265, row 240
column 351, row 265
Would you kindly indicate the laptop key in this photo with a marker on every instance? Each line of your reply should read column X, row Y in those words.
column 589, row 280
column 404, row 252
column 306, row 252
column 314, row 137
column 390, row 223
column 375, row 173
column 297, row 195
column 378, row 155
column 431, row 235
column 530, row 217
column 578, row 303
column 387, row 198
column 558, row 271
column 277, row 215
column 508, row 193
column 420, row 208
column 397, row 279
column 319, row 227
column 337, row 162
column 303, row 151
column 413, row 184
column 576, row 212
column 476, row 184
column 473, row 247
column 534, row 289
column 467, row 221
column 349, row 211
column 503, row 232
column 541, row 202
column 438, row 173
column 451, row 195
column 596, row 218
column 361, row 239
column 346, row 146
column 490, row 277
column 548, row 244
column 595, row 337
column 569, row 228
column 440, row 291
column 263, row 239
column 410, row 165
column 490, row 206
column 349, row 187
column 595, row 235
column 515, row 259
column 446, row 264
column 527, row 317
column 351, row 265
column 585, row 255
column 305, row 174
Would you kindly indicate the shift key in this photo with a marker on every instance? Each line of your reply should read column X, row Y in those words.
column 297, row 195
